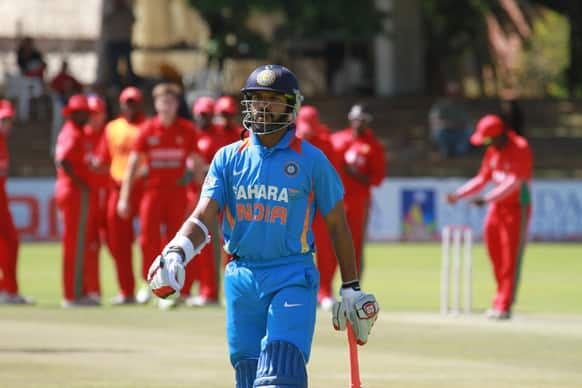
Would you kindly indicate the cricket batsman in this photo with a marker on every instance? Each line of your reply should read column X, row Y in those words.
column 269, row 187
column 508, row 165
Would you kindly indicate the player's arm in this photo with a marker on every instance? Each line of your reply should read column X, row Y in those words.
column 166, row 274
column 360, row 309
column 341, row 238
column 474, row 185
column 127, row 184
column 68, row 169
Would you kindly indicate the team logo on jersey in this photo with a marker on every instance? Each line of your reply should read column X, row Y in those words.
column 291, row 169
column 364, row 148
column 209, row 182
column 266, row 77
column 179, row 140
column 152, row 140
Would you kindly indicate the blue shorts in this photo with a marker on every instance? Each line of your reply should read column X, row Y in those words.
column 269, row 303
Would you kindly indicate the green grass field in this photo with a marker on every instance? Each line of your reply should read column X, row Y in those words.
column 411, row 345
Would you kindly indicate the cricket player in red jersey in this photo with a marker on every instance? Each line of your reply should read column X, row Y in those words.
column 225, row 112
column 165, row 142
column 73, row 197
column 114, row 150
column 8, row 234
column 208, row 142
column 508, row 165
column 99, row 187
column 363, row 166
column 311, row 129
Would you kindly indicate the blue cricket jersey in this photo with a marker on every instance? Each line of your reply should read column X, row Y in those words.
column 269, row 196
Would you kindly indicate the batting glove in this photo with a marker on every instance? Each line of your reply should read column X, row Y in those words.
column 360, row 309
column 166, row 275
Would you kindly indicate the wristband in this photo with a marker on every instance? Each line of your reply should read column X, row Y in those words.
column 353, row 284
column 183, row 246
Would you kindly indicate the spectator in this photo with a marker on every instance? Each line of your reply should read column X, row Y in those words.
column 116, row 30
column 450, row 124
column 30, row 60
column 64, row 84
column 512, row 114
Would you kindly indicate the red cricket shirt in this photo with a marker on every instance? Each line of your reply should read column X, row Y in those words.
column 71, row 147
column 365, row 153
column 165, row 150
column 506, row 168
column 4, row 161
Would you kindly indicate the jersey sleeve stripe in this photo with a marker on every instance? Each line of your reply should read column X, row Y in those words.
column 304, row 245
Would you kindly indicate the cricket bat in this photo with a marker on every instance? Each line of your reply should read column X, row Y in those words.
column 354, row 363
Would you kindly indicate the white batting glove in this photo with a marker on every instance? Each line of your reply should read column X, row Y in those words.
column 360, row 309
column 166, row 274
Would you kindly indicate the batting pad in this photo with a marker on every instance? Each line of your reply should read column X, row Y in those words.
column 245, row 372
column 281, row 365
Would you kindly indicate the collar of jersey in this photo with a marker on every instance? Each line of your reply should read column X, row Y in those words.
column 285, row 141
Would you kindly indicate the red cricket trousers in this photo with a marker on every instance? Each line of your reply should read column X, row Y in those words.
column 357, row 216
column 325, row 255
column 98, row 235
column 120, row 237
column 505, row 234
column 8, row 247
column 162, row 212
column 78, row 212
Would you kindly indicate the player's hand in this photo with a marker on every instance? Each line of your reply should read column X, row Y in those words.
column 452, row 198
column 166, row 275
column 123, row 209
column 360, row 309
column 478, row 201
column 186, row 178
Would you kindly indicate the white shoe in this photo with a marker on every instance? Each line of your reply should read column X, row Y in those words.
column 327, row 303
column 167, row 304
column 7, row 298
column 497, row 314
column 143, row 295
column 119, row 300
column 200, row 301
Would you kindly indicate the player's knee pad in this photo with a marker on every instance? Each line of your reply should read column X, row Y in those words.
column 245, row 372
column 281, row 365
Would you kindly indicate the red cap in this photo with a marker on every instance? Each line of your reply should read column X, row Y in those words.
column 304, row 130
column 308, row 114
column 489, row 126
column 131, row 93
column 6, row 109
column 76, row 103
column 203, row 105
column 96, row 104
column 226, row 104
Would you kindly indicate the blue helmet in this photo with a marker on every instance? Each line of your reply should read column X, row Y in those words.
column 270, row 78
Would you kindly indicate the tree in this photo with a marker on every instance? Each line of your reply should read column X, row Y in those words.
column 343, row 20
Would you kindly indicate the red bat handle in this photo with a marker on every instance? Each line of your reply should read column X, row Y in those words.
column 354, row 363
